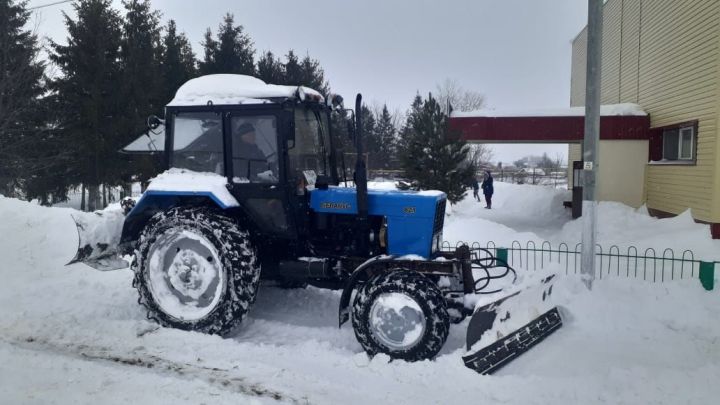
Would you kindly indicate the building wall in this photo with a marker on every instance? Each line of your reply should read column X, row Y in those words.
column 622, row 171
column 578, row 70
column 664, row 55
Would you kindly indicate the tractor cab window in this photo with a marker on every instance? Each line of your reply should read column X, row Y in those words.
column 198, row 142
column 311, row 150
column 254, row 149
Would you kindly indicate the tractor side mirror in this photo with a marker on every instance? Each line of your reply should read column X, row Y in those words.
column 335, row 102
column 153, row 122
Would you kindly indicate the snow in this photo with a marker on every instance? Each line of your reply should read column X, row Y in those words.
column 183, row 180
column 203, row 277
column 623, row 109
column 431, row 193
column 390, row 305
column 70, row 334
column 235, row 89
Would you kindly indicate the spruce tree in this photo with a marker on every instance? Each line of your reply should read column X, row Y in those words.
column 21, row 85
column 371, row 143
column 270, row 70
column 312, row 75
column 210, row 48
column 177, row 63
column 142, row 90
column 434, row 157
column 232, row 52
column 386, row 137
column 306, row 72
column 293, row 71
column 88, row 89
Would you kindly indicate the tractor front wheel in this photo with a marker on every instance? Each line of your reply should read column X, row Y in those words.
column 196, row 270
column 402, row 314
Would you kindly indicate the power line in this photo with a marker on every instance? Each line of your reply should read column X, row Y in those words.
column 50, row 4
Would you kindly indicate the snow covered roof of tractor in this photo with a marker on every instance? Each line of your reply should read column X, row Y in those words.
column 237, row 89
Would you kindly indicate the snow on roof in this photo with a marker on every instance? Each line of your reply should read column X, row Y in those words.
column 235, row 89
column 627, row 109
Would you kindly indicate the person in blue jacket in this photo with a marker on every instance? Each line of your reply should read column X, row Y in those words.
column 488, row 189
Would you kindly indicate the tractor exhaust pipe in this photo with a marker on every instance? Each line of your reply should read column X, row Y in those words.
column 361, row 181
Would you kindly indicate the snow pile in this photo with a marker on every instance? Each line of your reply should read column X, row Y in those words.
column 519, row 212
column 188, row 181
column 235, row 89
column 624, row 226
column 623, row 109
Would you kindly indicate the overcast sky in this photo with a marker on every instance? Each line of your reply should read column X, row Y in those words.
column 515, row 52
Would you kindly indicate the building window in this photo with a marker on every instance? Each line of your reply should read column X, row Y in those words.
column 679, row 143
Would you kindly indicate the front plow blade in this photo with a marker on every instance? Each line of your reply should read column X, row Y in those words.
column 99, row 239
column 503, row 330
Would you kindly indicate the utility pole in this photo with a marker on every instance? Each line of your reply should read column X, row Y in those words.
column 592, row 139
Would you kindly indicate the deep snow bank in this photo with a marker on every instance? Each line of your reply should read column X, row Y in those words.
column 534, row 213
column 623, row 226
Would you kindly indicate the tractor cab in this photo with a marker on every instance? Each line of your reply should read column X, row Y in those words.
column 272, row 143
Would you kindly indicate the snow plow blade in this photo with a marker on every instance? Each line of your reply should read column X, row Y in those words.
column 98, row 240
column 501, row 331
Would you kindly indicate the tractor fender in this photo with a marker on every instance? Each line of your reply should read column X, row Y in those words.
column 364, row 271
column 154, row 201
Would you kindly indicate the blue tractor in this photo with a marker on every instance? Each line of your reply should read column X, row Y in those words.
column 256, row 189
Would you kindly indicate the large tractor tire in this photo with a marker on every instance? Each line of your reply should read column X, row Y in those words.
column 196, row 270
column 402, row 314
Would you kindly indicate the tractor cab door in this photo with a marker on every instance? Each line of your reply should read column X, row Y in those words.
column 310, row 158
column 255, row 171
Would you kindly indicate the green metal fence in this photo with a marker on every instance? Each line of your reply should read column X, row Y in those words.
column 629, row 262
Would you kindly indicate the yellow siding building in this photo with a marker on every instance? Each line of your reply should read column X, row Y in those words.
column 665, row 56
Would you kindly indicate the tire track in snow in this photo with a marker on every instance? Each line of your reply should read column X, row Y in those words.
column 220, row 378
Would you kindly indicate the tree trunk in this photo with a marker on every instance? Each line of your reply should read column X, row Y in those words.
column 127, row 190
column 93, row 197
column 104, row 196
column 82, row 199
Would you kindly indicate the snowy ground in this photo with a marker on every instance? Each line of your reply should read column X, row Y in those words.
column 74, row 335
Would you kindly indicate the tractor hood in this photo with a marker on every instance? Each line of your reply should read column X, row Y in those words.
column 414, row 218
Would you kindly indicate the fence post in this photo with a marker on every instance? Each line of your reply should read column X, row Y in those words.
column 707, row 275
column 502, row 254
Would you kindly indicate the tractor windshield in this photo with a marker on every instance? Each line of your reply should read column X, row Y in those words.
column 312, row 149
column 198, row 142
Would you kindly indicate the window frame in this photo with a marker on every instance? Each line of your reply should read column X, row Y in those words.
column 229, row 144
column 170, row 141
column 680, row 127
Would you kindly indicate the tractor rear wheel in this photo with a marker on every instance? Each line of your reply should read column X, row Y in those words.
column 402, row 314
column 196, row 270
